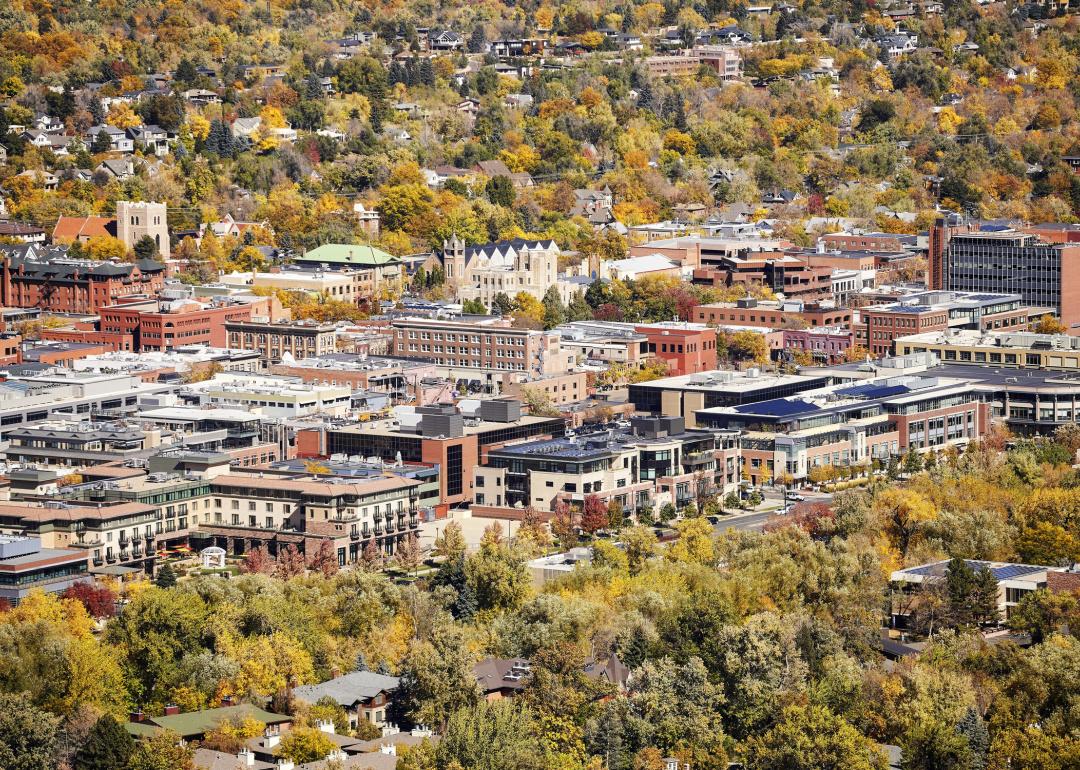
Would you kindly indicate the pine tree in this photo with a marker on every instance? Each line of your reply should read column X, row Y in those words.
column 427, row 73
column 477, row 39
column 554, row 311
column 973, row 728
column 166, row 577
column 578, row 309
column 101, row 143
column 636, row 649
column 97, row 111
column 107, row 747
column 313, row 87
column 501, row 304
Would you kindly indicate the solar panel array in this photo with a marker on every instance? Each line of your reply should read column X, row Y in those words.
column 778, row 407
column 1000, row 572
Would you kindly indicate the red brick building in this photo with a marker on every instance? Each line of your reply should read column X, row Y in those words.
column 685, row 347
column 42, row 280
column 158, row 325
column 771, row 315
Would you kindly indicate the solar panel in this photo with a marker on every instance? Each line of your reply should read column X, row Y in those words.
column 1014, row 570
column 779, row 407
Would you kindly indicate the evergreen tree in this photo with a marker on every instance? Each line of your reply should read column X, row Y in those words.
column 477, row 39
column 554, row 311
column 973, row 728
column 166, row 577
column 501, row 304
column 97, row 111
column 101, row 143
column 636, row 649
column 107, row 747
column 427, row 73
column 500, row 191
column 578, row 309
column 376, row 118
column 313, row 87
column 145, row 248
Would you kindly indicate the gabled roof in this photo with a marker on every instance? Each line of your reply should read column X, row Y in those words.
column 196, row 723
column 73, row 228
column 349, row 689
column 349, row 254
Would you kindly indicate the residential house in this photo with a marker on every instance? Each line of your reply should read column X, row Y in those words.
column 445, row 40
column 119, row 141
column 116, row 168
column 154, row 138
column 365, row 695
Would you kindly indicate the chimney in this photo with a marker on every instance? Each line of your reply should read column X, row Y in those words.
column 272, row 740
column 325, row 726
column 284, row 764
column 246, row 757
column 171, row 709
column 137, row 716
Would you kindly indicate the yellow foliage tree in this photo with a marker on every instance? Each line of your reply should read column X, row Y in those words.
column 695, row 543
column 104, row 247
column 122, row 116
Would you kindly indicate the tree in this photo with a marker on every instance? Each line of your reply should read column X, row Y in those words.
column 502, row 305
column 325, row 559
column 500, row 190
column 305, row 744
column 450, row 543
column 554, row 311
column 257, row 561
column 290, row 563
column 437, row 677
column 973, row 729
column 408, row 553
column 1048, row 324
column 813, row 738
column 106, row 748
column 100, row 601
column 371, row 557
column 162, row 751
column 493, row 736
column 640, row 545
column 562, row 525
column 578, row 309
column 27, row 734
column 904, row 514
column 594, row 514
column 695, row 543
column 166, row 576
column 1041, row 613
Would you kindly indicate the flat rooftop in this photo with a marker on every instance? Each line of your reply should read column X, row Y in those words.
column 729, row 381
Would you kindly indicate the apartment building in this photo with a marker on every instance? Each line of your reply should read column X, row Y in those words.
column 454, row 439
column 76, row 444
column 684, row 396
column 766, row 314
column 1044, row 274
column 1020, row 350
column 935, row 311
column 156, row 325
column 852, row 424
column 270, row 396
column 298, row 339
column 251, row 510
column 490, row 344
column 657, row 462
column 403, row 380
column 26, row 565
column 686, row 348
column 115, row 538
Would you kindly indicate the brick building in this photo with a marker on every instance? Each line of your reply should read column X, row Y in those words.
column 164, row 325
column 41, row 277
column 771, row 315
column 300, row 339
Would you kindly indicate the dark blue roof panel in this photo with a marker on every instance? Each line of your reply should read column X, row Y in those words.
column 779, row 407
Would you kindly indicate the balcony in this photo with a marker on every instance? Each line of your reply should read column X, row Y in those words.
column 354, row 535
column 136, row 552
column 98, row 561
column 125, row 555
column 378, row 529
column 136, row 538
column 124, row 541
column 111, row 558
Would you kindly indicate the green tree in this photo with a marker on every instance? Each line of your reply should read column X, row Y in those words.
column 145, row 248
column 500, row 191
column 162, row 752
column 554, row 311
column 473, row 307
column 166, row 577
column 107, row 747
column 437, row 677
column 813, row 738
column 27, row 734
column 490, row 736
column 1042, row 613
column 578, row 309
column 502, row 304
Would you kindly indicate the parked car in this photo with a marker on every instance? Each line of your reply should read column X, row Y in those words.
column 794, row 496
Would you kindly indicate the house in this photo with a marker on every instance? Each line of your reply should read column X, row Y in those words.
column 441, row 174
column 469, row 106
column 445, row 40
column 193, row 725
column 22, row 233
column 117, row 168
column 516, row 101
column 154, row 138
column 3, row 155
column 36, row 137
column 365, row 695
column 119, row 141
column 200, row 96
column 227, row 226
column 729, row 35
column 208, row 759
column 82, row 229
column 494, row 168
column 397, row 134
column 897, row 46
column 48, row 124
column 245, row 127
column 48, row 181
column 500, row 678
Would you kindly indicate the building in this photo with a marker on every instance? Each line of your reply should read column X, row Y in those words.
column 44, row 278
column 934, row 311
column 488, row 344
column 269, row 396
column 365, row 695
column 26, row 566
column 506, row 267
column 273, row 341
column 1014, row 582
column 826, row 344
column 851, row 425
column 1020, row 350
column 1044, row 274
column 443, row 436
column 251, row 510
column 725, row 61
column 135, row 221
column 403, row 380
column 684, row 396
column 17, row 231
column 765, row 314
column 658, row 462
column 193, row 725
column 374, row 267
column 160, row 325
column 82, row 229
column 343, row 285
column 76, row 444
column 117, row 539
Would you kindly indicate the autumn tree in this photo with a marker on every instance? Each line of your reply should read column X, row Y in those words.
column 450, row 543
column 257, row 561
column 594, row 514
column 324, row 560
column 290, row 563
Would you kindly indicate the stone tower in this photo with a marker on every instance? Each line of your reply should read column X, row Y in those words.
column 453, row 259
column 134, row 220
